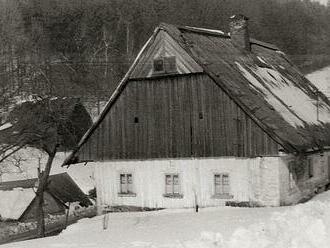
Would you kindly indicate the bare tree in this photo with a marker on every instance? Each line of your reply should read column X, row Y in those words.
column 47, row 126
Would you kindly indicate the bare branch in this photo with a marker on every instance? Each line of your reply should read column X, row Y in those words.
column 10, row 153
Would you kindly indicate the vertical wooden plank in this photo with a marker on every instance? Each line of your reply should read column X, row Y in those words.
column 165, row 116
column 187, row 111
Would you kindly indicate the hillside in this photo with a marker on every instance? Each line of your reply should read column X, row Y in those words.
column 82, row 48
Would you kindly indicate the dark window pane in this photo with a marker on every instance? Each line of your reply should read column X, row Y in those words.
column 129, row 179
column 159, row 65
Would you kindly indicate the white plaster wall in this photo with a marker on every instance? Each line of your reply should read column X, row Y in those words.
column 265, row 181
column 304, row 187
column 250, row 180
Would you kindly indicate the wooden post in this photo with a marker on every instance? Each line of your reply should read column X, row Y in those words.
column 67, row 216
column 196, row 202
column 42, row 185
column 105, row 221
column 317, row 105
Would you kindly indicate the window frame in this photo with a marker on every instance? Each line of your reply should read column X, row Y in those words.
column 129, row 184
column 167, row 61
column 172, row 193
column 220, row 188
column 154, row 71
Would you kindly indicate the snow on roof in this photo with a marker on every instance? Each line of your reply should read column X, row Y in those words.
column 207, row 30
column 14, row 202
column 261, row 59
column 321, row 79
column 280, row 52
column 295, row 106
column 5, row 126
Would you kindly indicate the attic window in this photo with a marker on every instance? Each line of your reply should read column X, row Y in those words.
column 164, row 65
column 159, row 65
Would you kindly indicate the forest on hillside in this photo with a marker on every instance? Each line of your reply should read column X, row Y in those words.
column 83, row 47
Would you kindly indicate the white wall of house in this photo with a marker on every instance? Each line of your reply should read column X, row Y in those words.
column 250, row 179
column 294, row 187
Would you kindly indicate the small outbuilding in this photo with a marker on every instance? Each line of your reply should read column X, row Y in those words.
column 18, row 200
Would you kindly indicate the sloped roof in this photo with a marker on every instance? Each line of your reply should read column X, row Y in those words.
column 14, row 202
column 60, row 185
column 263, row 82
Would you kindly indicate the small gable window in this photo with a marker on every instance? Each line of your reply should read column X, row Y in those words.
column 159, row 65
column 164, row 65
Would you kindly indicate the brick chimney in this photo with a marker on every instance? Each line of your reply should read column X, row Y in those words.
column 239, row 32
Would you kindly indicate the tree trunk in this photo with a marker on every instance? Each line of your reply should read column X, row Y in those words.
column 43, row 179
column 40, row 213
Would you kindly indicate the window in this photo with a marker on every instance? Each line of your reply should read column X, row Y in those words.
column 310, row 168
column 164, row 65
column 159, row 65
column 170, row 64
column 172, row 185
column 221, row 184
column 126, row 184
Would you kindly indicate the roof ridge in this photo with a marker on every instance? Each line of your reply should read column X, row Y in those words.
column 216, row 32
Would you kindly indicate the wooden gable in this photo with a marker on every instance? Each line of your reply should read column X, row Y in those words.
column 164, row 46
column 175, row 117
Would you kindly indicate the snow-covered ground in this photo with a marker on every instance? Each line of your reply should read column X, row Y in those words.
column 301, row 226
column 321, row 79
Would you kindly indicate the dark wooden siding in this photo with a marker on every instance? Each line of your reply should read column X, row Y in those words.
column 183, row 116
column 51, row 206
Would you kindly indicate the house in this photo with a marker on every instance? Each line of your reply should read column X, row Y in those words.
column 18, row 198
column 206, row 118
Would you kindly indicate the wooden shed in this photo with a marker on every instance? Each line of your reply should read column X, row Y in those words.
column 20, row 202
column 204, row 117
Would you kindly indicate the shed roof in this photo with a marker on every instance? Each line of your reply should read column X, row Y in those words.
column 60, row 185
column 14, row 202
column 263, row 82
